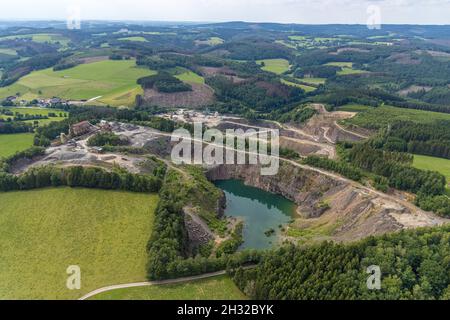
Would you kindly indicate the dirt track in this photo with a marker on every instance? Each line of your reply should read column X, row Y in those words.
column 150, row 283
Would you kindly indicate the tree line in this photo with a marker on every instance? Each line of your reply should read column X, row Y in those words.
column 413, row 265
column 77, row 176
column 431, row 139
column 15, row 127
column 400, row 176
column 164, row 82
column 168, row 252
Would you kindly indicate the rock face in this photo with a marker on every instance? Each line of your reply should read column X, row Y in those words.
column 334, row 209
column 198, row 232
column 303, row 187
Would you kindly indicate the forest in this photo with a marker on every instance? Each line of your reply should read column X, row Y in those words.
column 414, row 266
column 164, row 82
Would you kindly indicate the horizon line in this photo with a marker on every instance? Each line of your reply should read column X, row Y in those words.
column 216, row 22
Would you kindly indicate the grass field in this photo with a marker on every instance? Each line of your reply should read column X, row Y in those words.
column 187, row 75
column 340, row 64
column 135, row 39
column 12, row 143
column 433, row 164
column 297, row 38
column 114, row 81
column 375, row 118
column 314, row 81
column 41, row 37
column 277, row 66
column 36, row 111
column 9, row 52
column 301, row 86
column 346, row 68
column 218, row 288
column 212, row 41
column 348, row 71
column 42, row 232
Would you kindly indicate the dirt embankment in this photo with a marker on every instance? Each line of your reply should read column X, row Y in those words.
column 324, row 126
column 201, row 95
column 330, row 209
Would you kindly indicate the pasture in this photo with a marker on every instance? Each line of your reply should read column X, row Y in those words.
column 340, row 64
column 349, row 71
column 346, row 68
column 42, row 232
column 41, row 38
column 9, row 52
column 212, row 41
column 301, row 86
column 31, row 111
column 187, row 75
column 217, row 288
column 313, row 81
column 297, row 38
column 215, row 41
column 134, row 39
column 277, row 66
column 434, row 164
column 112, row 81
column 12, row 143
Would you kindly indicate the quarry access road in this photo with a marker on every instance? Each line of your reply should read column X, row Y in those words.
column 413, row 209
column 151, row 283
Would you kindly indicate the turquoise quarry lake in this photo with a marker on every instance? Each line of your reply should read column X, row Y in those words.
column 261, row 211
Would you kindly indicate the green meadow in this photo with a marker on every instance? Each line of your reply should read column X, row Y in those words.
column 111, row 82
column 41, row 37
column 187, row 75
column 313, row 81
column 7, row 51
column 43, row 232
column 434, row 164
column 212, row 41
column 135, row 39
column 297, row 38
column 277, row 66
column 12, row 143
column 301, row 86
column 217, row 288
column 350, row 71
column 346, row 68
column 340, row 64
column 36, row 111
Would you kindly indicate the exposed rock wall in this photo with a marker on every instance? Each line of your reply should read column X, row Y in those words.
column 198, row 232
column 336, row 209
column 305, row 188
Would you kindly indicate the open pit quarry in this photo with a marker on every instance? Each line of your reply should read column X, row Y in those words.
column 330, row 207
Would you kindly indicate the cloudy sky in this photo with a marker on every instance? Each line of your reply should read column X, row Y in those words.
column 295, row 11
